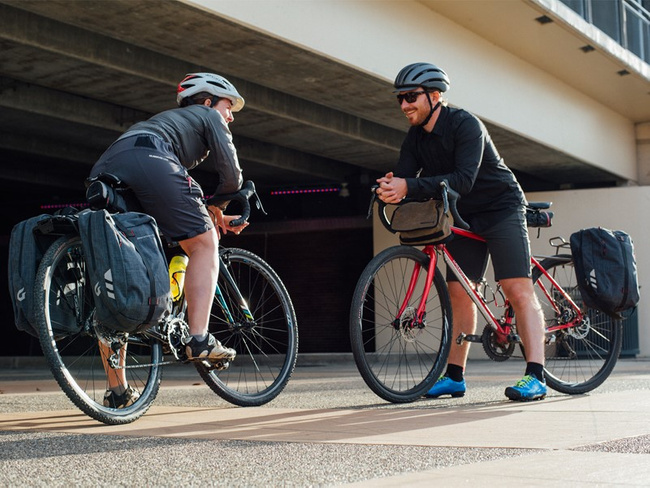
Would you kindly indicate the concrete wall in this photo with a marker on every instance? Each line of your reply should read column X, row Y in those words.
column 380, row 37
column 614, row 208
column 643, row 152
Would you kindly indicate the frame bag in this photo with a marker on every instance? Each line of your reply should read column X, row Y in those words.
column 422, row 223
column 606, row 269
column 127, row 267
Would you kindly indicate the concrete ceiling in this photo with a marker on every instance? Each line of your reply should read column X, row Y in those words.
column 74, row 75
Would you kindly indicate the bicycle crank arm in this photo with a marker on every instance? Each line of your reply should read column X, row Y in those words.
column 218, row 366
column 468, row 338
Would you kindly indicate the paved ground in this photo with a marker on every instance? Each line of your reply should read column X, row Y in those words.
column 328, row 429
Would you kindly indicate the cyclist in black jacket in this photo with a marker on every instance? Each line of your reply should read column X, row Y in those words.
column 153, row 158
column 451, row 144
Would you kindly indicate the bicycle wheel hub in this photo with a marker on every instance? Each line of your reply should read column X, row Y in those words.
column 409, row 327
column 580, row 331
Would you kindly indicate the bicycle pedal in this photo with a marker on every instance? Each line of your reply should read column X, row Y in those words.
column 218, row 365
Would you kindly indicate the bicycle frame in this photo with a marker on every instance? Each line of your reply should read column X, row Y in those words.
column 234, row 289
column 180, row 306
column 502, row 326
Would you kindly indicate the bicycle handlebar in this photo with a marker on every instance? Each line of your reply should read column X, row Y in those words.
column 242, row 196
column 449, row 198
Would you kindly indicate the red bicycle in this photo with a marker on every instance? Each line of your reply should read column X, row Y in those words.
column 400, row 319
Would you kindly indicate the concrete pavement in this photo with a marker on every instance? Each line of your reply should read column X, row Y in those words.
column 328, row 429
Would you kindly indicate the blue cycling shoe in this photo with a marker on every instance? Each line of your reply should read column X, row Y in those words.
column 446, row 386
column 528, row 388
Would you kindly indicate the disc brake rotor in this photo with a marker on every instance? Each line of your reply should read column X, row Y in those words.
column 407, row 328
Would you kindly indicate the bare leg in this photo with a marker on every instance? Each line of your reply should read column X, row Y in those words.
column 116, row 377
column 464, row 321
column 530, row 319
column 201, row 278
column 200, row 286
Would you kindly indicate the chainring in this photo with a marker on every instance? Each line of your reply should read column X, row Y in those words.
column 494, row 350
column 177, row 329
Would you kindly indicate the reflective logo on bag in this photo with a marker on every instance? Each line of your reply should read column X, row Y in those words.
column 108, row 279
column 592, row 279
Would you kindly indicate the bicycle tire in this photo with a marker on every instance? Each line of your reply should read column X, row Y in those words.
column 69, row 338
column 398, row 362
column 267, row 348
column 581, row 358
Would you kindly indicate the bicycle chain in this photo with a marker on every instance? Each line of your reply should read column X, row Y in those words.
column 164, row 363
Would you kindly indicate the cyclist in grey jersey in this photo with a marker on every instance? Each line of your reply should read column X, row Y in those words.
column 198, row 135
column 153, row 158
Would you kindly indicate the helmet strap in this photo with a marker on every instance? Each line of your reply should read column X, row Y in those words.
column 433, row 109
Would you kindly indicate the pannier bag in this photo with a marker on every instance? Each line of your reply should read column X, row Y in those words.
column 127, row 267
column 606, row 269
column 25, row 253
column 422, row 223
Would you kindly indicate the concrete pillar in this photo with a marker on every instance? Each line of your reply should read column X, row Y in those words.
column 643, row 152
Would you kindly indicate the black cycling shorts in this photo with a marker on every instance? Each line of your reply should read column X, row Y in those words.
column 506, row 244
column 147, row 164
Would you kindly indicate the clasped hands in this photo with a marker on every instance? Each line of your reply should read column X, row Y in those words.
column 392, row 189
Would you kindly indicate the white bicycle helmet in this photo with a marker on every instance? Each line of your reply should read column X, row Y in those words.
column 214, row 84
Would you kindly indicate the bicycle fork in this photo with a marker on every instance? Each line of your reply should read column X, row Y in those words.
column 234, row 289
column 418, row 318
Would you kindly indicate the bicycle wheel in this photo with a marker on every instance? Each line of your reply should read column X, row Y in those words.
column 266, row 341
column 398, row 360
column 71, row 338
column 580, row 358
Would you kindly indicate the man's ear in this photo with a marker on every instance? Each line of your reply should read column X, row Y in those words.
column 207, row 102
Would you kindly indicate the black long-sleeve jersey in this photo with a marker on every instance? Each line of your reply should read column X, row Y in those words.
column 459, row 150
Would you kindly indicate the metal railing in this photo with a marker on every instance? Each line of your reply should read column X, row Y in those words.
column 625, row 21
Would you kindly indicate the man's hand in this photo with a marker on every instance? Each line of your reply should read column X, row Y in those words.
column 225, row 226
column 222, row 221
column 391, row 188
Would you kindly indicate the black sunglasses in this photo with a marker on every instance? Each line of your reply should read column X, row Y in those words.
column 410, row 97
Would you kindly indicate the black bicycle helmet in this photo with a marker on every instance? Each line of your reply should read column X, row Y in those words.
column 426, row 75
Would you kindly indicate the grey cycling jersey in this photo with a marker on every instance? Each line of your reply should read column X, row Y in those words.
column 197, row 133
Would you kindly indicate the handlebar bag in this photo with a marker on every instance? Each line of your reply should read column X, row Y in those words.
column 127, row 267
column 422, row 223
column 605, row 269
